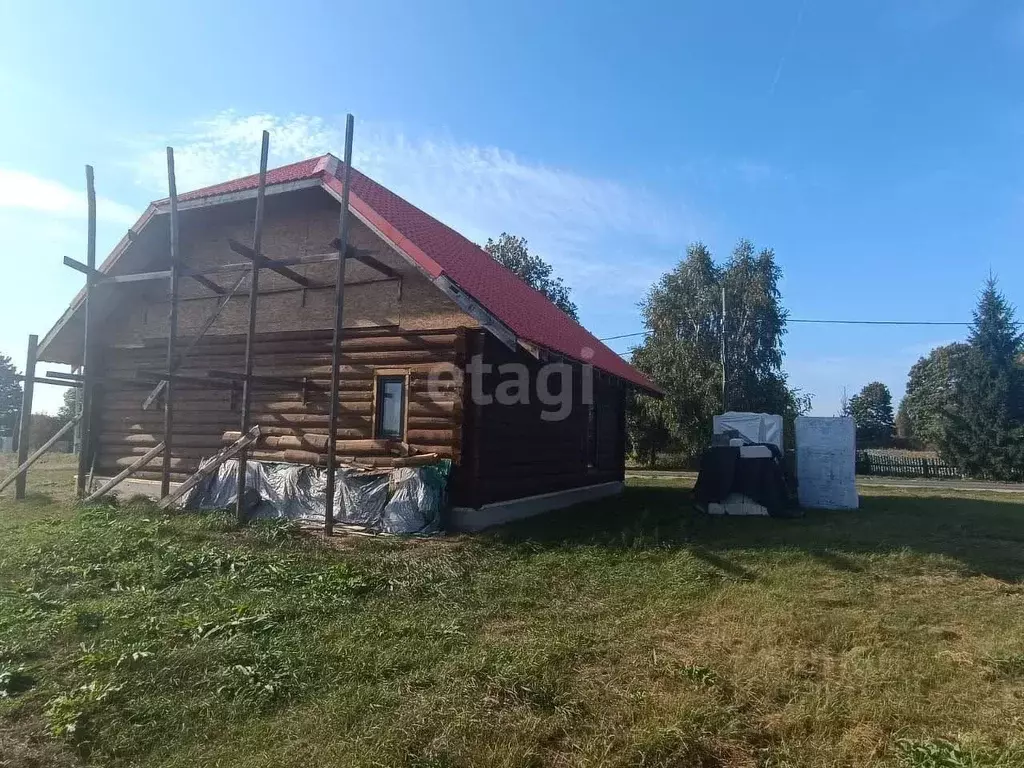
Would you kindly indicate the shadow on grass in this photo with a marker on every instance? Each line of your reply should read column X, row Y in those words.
column 722, row 564
column 987, row 536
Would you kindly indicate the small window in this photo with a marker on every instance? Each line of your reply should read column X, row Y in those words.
column 389, row 422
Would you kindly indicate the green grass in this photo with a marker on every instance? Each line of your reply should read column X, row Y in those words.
column 630, row 632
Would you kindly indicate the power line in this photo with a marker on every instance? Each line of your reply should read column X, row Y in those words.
column 623, row 336
column 820, row 322
column 877, row 322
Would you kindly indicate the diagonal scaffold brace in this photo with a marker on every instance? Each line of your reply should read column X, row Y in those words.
column 208, row 466
column 23, row 468
column 124, row 474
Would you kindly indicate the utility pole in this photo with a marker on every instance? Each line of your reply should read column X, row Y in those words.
column 725, row 404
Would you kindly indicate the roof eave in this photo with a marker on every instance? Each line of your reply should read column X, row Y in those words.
column 112, row 258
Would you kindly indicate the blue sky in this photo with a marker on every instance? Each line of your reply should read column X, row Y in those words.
column 878, row 147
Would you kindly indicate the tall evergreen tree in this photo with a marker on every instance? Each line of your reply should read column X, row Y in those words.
column 984, row 431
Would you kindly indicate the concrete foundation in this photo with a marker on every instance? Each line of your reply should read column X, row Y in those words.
column 132, row 487
column 460, row 518
column 490, row 515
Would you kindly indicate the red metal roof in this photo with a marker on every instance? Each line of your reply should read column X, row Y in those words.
column 305, row 169
column 439, row 249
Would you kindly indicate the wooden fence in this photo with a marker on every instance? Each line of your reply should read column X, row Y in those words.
column 892, row 465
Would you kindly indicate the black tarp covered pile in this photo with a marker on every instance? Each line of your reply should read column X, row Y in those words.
column 400, row 500
column 723, row 472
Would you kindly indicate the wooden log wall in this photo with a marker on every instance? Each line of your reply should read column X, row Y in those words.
column 293, row 425
column 513, row 452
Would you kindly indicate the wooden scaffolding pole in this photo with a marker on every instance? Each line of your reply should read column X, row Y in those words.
column 25, row 425
column 339, row 308
column 238, row 447
column 172, row 329
column 85, row 427
column 254, row 288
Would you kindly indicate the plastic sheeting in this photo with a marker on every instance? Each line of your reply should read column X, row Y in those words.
column 755, row 427
column 403, row 500
column 417, row 495
column 825, row 456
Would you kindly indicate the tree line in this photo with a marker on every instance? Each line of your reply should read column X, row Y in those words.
column 44, row 425
column 964, row 400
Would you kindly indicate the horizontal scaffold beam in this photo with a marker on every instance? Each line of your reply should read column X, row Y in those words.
column 55, row 382
column 280, row 380
column 102, row 278
column 364, row 257
column 264, row 262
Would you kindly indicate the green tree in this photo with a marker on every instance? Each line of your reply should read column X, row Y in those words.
column 682, row 349
column 984, row 430
column 511, row 252
column 69, row 408
column 646, row 431
column 931, row 384
column 871, row 409
column 10, row 397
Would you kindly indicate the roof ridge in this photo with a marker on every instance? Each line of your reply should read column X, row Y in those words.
column 199, row 192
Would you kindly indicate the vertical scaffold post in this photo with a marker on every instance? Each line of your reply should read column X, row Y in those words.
column 25, row 425
column 172, row 328
column 88, row 375
column 254, row 288
column 339, row 309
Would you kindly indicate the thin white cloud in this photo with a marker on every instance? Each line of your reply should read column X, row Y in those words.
column 787, row 47
column 25, row 191
column 227, row 146
column 601, row 235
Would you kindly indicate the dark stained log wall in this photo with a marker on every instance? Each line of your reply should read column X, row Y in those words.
column 510, row 451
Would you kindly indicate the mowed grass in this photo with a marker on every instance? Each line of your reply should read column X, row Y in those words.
column 630, row 632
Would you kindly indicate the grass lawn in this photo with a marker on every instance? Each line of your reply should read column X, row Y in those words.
column 629, row 632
